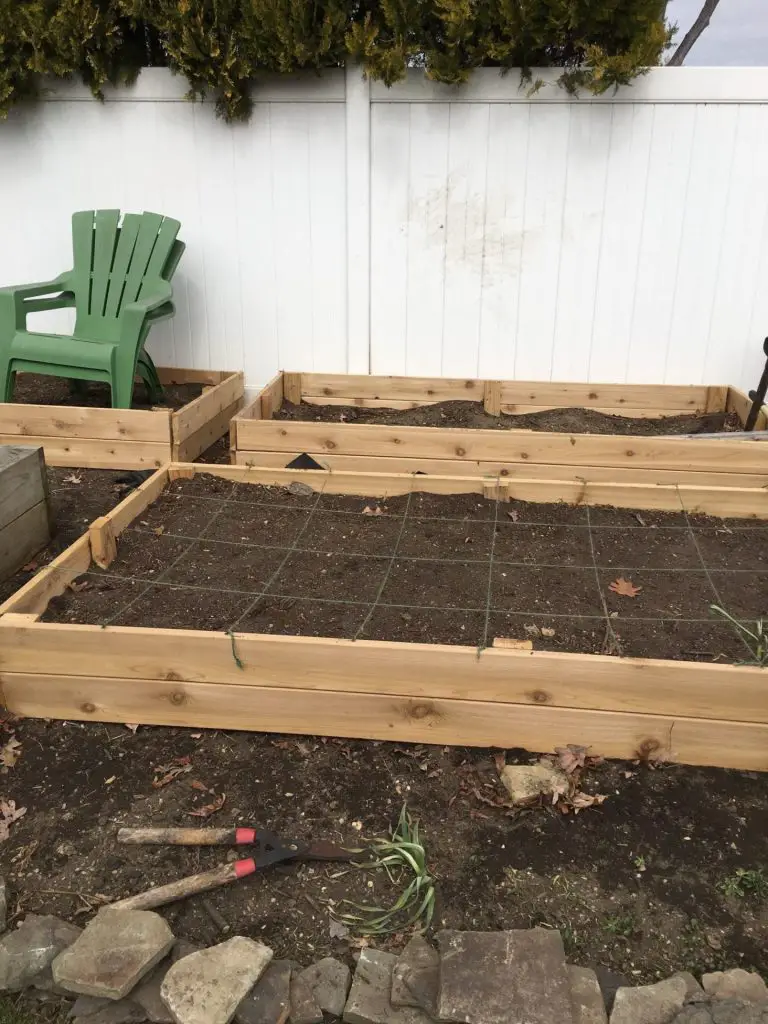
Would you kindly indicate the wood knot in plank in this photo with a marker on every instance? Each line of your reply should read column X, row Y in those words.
column 593, row 394
column 177, row 698
column 461, row 451
column 421, row 710
column 523, row 455
column 630, row 452
column 173, row 677
column 330, row 445
column 539, row 696
column 88, row 708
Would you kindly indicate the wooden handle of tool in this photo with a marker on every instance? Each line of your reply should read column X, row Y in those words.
column 177, row 836
column 163, row 894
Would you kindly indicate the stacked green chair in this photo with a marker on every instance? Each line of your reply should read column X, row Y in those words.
column 120, row 286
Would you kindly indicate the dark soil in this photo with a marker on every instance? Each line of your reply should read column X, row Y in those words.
column 41, row 389
column 639, row 884
column 470, row 415
column 460, row 569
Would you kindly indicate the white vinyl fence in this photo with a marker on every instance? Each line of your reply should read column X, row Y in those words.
column 473, row 231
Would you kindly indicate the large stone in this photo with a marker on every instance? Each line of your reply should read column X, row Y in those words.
column 269, row 1001
column 649, row 1004
column 115, row 1011
column 369, row 998
column 416, row 976
column 147, row 995
column 305, row 1009
column 736, row 984
column 208, row 986
column 525, row 783
column 328, row 981
column 26, row 954
column 500, row 977
column 610, row 982
column 116, row 950
column 734, row 1011
column 693, row 1013
column 586, row 997
column 694, row 993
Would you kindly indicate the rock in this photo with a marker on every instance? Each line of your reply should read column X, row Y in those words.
column 649, row 1004
column 610, row 982
column 694, row 993
column 84, row 1006
column 120, row 1011
column 525, row 783
column 694, row 1013
column 147, row 996
column 736, row 984
column 304, row 1007
column 416, row 976
column 269, row 1001
column 26, row 954
column 116, row 950
column 207, row 987
column 300, row 490
column 734, row 1011
column 369, row 997
column 586, row 998
column 3, row 904
column 183, row 948
column 329, row 982
column 499, row 977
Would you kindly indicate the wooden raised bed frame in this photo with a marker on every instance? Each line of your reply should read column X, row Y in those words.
column 91, row 438
column 257, row 439
column 691, row 712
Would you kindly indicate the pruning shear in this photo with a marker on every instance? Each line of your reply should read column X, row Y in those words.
column 269, row 849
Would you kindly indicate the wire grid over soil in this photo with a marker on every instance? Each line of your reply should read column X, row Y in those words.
column 461, row 569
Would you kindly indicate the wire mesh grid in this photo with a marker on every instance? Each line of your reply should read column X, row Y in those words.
column 365, row 568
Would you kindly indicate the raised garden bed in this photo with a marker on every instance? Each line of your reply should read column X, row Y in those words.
column 619, row 432
column 175, row 629
column 200, row 405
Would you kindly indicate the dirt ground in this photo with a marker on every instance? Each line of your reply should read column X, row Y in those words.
column 456, row 569
column 470, row 415
column 41, row 389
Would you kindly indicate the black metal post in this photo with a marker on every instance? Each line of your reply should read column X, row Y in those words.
column 758, row 396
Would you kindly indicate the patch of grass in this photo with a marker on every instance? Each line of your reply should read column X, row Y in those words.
column 13, row 1011
column 745, row 882
column 754, row 637
column 621, row 924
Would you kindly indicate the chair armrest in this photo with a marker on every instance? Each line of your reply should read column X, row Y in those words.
column 18, row 300
column 162, row 293
column 30, row 291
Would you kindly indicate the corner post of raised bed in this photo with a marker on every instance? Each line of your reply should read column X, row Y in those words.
column 101, row 534
column 292, row 388
column 492, row 397
column 272, row 396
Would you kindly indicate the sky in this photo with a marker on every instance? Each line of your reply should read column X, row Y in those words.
column 737, row 34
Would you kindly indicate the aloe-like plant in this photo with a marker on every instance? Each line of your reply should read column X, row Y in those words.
column 753, row 636
column 401, row 857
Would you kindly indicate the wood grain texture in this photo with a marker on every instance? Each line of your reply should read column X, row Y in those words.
column 432, row 389
column 740, row 403
column 271, row 397
column 131, row 507
column 51, row 581
column 23, row 537
column 419, row 671
column 206, row 407
column 196, row 443
column 375, row 716
column 95, row 453
column 103, row 542
column 292, row 384
column 65, row 421
column 22, row 481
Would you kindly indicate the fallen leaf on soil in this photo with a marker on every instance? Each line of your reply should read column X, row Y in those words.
column 170, row 772
column 513, row 515
column 196, row 784
column 581, row 800
column 532, row 630
column 571, row 757
column 208, row 809
column 10, row 753
column 133, row 726
column 9, row 813
column 73, row 478
column 500, row 760
column 624, row 587
column 110, row 780
column 336, row 929
column 159, row 530
column 547, row 631
column 368, row 511
column 30, row 566
column 76, row 587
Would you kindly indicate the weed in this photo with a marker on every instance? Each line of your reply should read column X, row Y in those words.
column 745, row 882
column 621, row 924
column 755, row 639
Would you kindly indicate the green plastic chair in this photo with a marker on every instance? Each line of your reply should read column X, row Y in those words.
column 120, row 286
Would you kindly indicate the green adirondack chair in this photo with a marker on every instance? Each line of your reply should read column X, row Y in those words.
column 120, row 286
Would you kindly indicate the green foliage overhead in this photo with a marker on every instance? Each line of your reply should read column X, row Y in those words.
column 222, row 45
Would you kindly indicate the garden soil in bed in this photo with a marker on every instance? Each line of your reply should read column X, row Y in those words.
column 645, row 884
column 471, row 415
column 216, row 555
column 41, row 389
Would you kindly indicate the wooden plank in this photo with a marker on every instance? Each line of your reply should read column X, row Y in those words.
column 740, row 403
column 26, row 421
column 103, row 542
column 616, row 396
column 717, row 398
column 23, row 537
column 292, row 387
column 206, row 407
column 506, row 643
column 468, row 467
column 133, row 505
column 430, row 389
column 492, row 397
column 628, row 412
column 195, row 444
column 22, row 481
column 419, row 671
column 510, row 446
column 382, row 717
column 271, row 397
column 367, row 403
column 51, row 581
column 174, row 375
column 94, row 453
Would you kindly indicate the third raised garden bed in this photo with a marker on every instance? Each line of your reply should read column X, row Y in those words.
column 619, row 432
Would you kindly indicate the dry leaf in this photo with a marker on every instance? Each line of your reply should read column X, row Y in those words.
column 159, row 530
column 208, row 809
column 133, row 726
column 547, row 631
column 336, row 929
column 110, row 780
column 30, row 566
column 571, row 757
column 581, row 800
column 10, row 753
column 9, row 813
column 368, row 511
column 171, row 771
column 513, row 515
column 500, row 761
column 196, row 784
column 75, row 586
column 624, row 587
column 73, row 478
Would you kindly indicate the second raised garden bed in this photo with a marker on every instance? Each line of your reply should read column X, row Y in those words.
column 193, row 616
column 201, row 404
column 457, row 426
